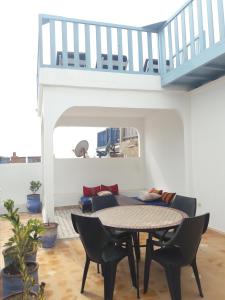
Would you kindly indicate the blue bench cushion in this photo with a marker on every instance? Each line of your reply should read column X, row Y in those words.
column 86, row 203
column 84, row 199
column 157, row 202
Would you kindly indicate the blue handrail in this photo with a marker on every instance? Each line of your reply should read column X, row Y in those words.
column 89, row 45
column 160, row 48
column 190, row 32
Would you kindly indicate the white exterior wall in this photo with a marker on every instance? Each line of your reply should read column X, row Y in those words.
column 182, row 140
column 208, row 150
column 73, row 98
column 72, row 174
column 165, row 151
column 15, row 182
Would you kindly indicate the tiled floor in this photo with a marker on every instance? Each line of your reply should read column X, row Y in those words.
column 61, row 268
column 63, row 218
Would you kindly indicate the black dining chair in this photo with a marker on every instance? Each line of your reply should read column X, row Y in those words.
column 183, row 203
column 102, row 202
column 178, row 252
column 101, row 248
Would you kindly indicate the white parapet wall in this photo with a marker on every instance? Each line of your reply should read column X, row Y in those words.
column 72, row 174
column 69, row 177
column 15, row 181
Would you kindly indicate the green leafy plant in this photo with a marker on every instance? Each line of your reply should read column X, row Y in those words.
column 35, row 186
column 26, row 238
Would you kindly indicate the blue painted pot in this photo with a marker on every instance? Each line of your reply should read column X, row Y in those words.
column 34, row 203
column 16, row 296
column 13, row 283
column 8, row 258
column 49, row 237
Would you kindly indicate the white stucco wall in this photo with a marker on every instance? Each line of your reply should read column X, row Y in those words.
column 208, row 150
column 70, row 97
column 164, row 151
column 15, row 182
column 72, row 174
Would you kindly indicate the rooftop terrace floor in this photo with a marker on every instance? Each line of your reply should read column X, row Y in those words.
column 61, row 268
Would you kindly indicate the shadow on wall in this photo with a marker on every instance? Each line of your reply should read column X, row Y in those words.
column 165, row 150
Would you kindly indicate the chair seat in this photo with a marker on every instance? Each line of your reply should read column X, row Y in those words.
column 119, row 233
column 113, row 253
column 169, row 256
column 162, row 234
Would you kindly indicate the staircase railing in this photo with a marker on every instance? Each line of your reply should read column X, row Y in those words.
column 199, row 25
column 79, row 44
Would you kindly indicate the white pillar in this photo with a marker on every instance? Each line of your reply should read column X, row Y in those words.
column 47, row 172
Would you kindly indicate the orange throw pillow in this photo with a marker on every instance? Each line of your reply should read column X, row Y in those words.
column 168, row 197
column 153, row 190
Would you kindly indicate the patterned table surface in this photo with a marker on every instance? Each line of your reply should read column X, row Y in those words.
column 140, row 217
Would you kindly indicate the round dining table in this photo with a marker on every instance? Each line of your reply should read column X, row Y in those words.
column 140, row 218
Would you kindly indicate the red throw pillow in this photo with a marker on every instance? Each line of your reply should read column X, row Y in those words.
column 153, row 190
column 112, row 188
column 91, row 191
column 168, row 197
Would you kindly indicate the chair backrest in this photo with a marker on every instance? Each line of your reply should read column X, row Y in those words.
column 101, row 202
column 186, row 204
column 188, row 236
column 70, row 57
column 205, row 227
column 115, row 61
column 155, row 65
column 92, row 234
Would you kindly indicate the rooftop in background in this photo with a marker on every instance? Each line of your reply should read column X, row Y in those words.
column 18, row 159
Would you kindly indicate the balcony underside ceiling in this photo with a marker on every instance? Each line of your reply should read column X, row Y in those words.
column 204, row 68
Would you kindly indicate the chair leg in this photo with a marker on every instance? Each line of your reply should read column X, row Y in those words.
column 195, row 270
column 131, row 262
column 136, row 242
column 109, row 280
column 173, row 279
column 87, row 263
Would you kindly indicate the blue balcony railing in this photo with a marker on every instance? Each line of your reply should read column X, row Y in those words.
column 197, row 29
column 79, row 44
column 192, row 38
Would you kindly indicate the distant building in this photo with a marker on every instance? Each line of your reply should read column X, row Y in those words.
column 129, row 142
column 17, row 159
column 123, row 140
column 4, row 160
column 33, row 159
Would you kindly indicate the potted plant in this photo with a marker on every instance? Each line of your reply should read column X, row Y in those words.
column 25, row 239
column 33, row 200
column 49, row 236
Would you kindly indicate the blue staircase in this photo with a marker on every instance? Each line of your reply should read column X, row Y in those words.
column 193, row 41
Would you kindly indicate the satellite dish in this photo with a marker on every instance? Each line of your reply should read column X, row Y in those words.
column 81, row 148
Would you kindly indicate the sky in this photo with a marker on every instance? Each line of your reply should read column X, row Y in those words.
column 19, row 122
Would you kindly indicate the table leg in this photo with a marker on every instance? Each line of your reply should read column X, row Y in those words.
column 148, row 254
column 137, row 281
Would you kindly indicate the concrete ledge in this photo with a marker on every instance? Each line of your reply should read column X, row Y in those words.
column 94, row 79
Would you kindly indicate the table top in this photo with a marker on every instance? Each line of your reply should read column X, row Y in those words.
column 140, row 217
